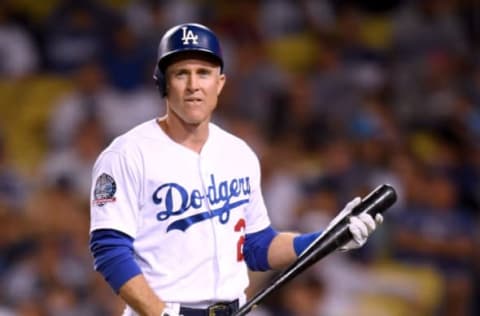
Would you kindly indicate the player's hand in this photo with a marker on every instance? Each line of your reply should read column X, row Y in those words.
column 169, row 312
column 361, row 227
column 343, row 213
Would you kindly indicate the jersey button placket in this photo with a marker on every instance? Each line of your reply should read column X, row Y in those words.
column 206, row 175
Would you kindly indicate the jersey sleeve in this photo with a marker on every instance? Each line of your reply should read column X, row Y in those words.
column 256, row 216
column 115, row 194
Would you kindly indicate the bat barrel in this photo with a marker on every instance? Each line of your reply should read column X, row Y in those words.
column 378, row 201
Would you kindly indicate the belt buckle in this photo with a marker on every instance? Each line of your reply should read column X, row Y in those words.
column 213, row 309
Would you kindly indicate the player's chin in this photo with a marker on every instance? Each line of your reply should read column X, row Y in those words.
column 196, row 114
column 195, row 118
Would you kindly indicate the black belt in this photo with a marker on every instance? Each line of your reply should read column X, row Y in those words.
column 218, row 309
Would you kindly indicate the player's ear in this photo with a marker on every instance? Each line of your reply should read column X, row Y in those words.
column 221, row 82
column 166, row 83
column 165, row 89
column 160, row 81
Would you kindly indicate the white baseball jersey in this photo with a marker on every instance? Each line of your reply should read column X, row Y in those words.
column 187, row 212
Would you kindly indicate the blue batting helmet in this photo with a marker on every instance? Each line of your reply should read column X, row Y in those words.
column 188, row 37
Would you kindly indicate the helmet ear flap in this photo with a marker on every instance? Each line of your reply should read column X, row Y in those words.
column 159, row 78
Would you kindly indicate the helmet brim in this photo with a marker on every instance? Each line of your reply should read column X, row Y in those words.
column 195, row 53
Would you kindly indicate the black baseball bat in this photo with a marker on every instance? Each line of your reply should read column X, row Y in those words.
column 334, row 237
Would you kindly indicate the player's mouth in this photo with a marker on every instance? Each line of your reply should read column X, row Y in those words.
column 193, row 101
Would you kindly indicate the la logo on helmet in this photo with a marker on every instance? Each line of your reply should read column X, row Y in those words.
column 189, row 36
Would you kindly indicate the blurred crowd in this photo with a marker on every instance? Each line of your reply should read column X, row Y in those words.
column 336, row 97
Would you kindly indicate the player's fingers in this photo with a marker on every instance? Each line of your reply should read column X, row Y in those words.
column 346, row 211
column 367, row 219
column 353, row 203
column 379, row 218
column 358, row 229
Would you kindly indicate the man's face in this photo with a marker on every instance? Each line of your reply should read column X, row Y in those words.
column 193, row 86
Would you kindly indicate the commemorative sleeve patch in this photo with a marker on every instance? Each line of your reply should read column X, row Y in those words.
column 105, row 188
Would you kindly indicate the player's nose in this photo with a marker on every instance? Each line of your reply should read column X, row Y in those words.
column 192, row 82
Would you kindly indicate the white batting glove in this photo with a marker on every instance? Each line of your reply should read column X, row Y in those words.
column 343, row 213
column 361, row 227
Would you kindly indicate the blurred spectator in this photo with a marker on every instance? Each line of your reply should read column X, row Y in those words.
column 78, row 105
column 121, row 110
column 319, row 15
column 466, row 114
column 335, row 94
column 92, row 98
column 133, row 97
column 281, row 185
column 427, row 38
column 73, row 164
column 339, row 168
column 428, row 26
column 438, row 234
column 439, row 85
column 473, row 83
column 147, row 19
column 125, row 60
column 184, row 10
column 19, row 55
column 76, row 32
column 280, row 18
column 13, row 188
column 303, row 297
column 62, row 301
column 6, row 312
column 293, row 115
column 374, row 130
column 254, row 99
column 48, row 270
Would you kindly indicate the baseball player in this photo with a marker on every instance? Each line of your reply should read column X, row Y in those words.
column 177, row 214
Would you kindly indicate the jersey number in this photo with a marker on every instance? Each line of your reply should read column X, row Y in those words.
column 239, row 226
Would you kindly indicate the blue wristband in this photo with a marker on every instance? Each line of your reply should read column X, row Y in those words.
column 301, row 242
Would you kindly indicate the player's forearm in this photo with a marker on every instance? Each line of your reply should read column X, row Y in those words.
column 281, row 252
column 139, row 295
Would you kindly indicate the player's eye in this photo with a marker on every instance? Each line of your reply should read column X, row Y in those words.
column 204, row 72
column 180, row 73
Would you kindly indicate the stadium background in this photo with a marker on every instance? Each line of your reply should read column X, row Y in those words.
column 334, row 96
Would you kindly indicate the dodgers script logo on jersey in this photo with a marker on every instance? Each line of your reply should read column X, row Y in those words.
column 176, row 200
column 188, row 35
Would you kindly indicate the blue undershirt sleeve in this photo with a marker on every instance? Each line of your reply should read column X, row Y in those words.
column 114, row 256
column 301, row 242
column 255, row 249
